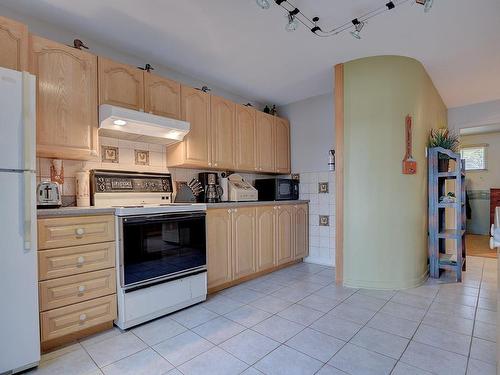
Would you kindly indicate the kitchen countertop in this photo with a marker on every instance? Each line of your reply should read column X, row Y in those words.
column 85, row 211
column 74, row 211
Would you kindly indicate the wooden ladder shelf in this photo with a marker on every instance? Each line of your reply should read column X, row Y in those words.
column 442, row 232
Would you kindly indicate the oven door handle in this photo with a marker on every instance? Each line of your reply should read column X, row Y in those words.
column 162, row 218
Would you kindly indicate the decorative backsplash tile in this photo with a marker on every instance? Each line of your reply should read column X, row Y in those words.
column 141, row 157
column 110, row 154
column 323, row 187
column 324, row 220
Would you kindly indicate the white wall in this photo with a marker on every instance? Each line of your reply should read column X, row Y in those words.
column 64, row 36
column 312, row 132
column 312, row 135
column 469, row 116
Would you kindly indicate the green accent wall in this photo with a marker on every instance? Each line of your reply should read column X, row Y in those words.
column 385, row 211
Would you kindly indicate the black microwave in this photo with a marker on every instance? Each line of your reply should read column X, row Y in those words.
column 277, row 189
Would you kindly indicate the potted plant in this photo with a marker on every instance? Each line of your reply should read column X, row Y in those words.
column 446, row 139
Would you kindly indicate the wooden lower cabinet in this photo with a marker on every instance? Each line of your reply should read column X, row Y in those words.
column 284, row 234
column 243, row 241
column 77, row 277
column 301, row 225
column 219, row 255
column 265, row 238
column 247, row 241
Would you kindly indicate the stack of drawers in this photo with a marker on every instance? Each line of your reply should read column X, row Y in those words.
column 77, row 277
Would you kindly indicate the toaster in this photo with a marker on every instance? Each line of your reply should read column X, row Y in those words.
column 48, row 195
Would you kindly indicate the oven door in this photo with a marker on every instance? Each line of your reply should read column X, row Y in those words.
column 156, row 248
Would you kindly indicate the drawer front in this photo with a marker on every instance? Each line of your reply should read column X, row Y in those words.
column 75, row 260
column 71, row 231
column 70, row 319
column 73, row 289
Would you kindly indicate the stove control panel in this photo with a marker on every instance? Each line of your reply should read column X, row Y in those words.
column 118, row 182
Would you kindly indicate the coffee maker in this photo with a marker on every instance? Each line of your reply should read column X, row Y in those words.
column 212, row 190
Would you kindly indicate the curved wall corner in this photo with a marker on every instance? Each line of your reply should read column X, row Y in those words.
column 385, row 211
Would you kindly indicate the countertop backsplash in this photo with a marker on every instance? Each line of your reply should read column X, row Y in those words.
column 126, row 155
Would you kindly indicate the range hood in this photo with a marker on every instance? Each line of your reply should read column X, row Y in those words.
column 124, row 123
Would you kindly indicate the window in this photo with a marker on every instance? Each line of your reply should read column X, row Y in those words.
column 475, row 157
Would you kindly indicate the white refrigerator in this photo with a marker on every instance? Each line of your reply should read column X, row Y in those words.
column 19, row 327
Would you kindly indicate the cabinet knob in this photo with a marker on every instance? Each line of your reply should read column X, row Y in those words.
column 215, row 164
column 229, row 211
column 79, row 231
column 279, row 207
column 209, row 164
column 83, row 317
column 81, row 288
column 80, row 260
column 260, row 169
column 235, row 210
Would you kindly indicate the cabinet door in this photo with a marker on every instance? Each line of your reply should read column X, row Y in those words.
column 243, row 242
column 223, row 132
column 162, row 96
column 13, row 44
column 219, row 260
column 121, row 85
column 265, row 237
column 265, row 139
column 284, row 234
column 301, row 229
column 282, row 150
column 195, row 106
column 245, row 139
column 66, row 100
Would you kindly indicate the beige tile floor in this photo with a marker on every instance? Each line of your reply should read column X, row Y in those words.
column 297, row 321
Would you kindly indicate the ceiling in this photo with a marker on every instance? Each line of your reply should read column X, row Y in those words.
column 236, row 45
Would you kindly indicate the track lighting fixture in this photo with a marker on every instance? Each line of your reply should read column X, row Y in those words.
column 358, row 26
column 264, row 4
column 292, row 20
column 295, row 16
column 426, row 3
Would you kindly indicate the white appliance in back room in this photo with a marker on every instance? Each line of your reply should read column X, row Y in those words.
column 19, row 327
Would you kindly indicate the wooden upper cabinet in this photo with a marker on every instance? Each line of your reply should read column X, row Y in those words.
column 162, row 96
column 301, row 224
column 195, row 149
column 246, row 158
column 223, row 132
column 13, row 44
column 282, row 151
column 284, row 234
column 66, row 100
column 265, row 237
column 219, row 253
column 243, row 243
column 265, row 140
column 121, row 85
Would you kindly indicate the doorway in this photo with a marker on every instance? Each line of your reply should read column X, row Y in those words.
column 480, row 148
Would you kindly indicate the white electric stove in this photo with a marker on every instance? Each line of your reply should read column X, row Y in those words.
column 160, row 248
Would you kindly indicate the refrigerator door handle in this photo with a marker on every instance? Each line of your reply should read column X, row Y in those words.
column 29, row 121
column 28, row 208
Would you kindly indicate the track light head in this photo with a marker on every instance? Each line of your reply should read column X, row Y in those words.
column 264, row 4
column 426, row 3
column 358, row 26
column 292, row 22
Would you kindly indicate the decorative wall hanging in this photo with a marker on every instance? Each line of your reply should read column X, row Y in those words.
column 296, row 17
column 409, row 164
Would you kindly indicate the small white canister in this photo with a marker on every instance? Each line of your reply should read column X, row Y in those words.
column 82, row 189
